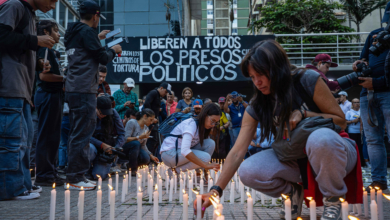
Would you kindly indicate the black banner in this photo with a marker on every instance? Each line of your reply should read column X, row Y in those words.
column 182, row 59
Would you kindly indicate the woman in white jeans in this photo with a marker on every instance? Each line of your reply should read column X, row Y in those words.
column 195, row 148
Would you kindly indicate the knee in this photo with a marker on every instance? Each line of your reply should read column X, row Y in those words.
column 321, row 142
column 92, row 152
column 244, row 172
column 210, row 143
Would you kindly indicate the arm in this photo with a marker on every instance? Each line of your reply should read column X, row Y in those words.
column 136, row 107
column 120, row 130
column 119, row 106
column 13, row 40
column 96, row 142
column 226, row 107
column 245, row 104
column 92, row 44
column 327, row 104
column 50, row 77
column 148, row 101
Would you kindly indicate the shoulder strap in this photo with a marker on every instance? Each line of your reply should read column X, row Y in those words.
column 302, row 92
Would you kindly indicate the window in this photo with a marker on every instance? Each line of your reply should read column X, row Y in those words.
column 62, row 15
column 210, row 21
column 222, row 13
column 235, row 2
column 234, row 31
column 70, row 16
column 209, row 2
column 210, row 12
column 210, row 31
column 223, row 23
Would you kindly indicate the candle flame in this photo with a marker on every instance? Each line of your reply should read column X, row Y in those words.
column 248, row 194
column 99, row 187
column 139, row 175
column 54, row 185
column 377, row 188
column 184, row 191
column 364, row 189
column 352, row 217
column 309, row 198
column 109, row 175
column 67, row 186
column 299, row 218
column 386, row 196
column 218, row 214
column 196, row 192
column 139, row 189
column 109, row 186
column 213, row 202
column 97, row 176
column 126, row 172
column 156, row 187
column 232, row 181
column 370, row 187
column 129, row 170
column 124, row 176
column 82, row 188
column 284, row 196
column 342, row 200
column 116, row 172
column 31, row 169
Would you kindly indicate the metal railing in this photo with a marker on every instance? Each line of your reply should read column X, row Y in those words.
column 344, row 48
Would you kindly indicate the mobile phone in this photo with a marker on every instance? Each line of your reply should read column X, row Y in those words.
column 115, row 42
column 113, row 33
column 150, row 136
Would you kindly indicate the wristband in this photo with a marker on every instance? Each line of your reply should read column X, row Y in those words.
column 303, row 113
column 218, row 189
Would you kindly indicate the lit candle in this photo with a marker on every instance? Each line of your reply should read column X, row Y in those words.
column 116, row 183
column 171, row 190
column 242, row 192
column 359, row 209
column 67, row 202
column 344, row 209
column 220, row 216
column 99, row 180
column 211, row 183
column 215, row 205
column 312, row 205
column 53, row 202
column 175, row 182
column 198, row 205
column 190, row 187
column 287, row 207
column 124, row 189
column 365, row 203
column 159, row 189
column 129, row 179
column 155, row 205
column 232, row 187
column 126, row 182
column 150, row 189
column 139, row 179
column 372, row 193
column 99, row 204
column 379, row 203
column 166, row 184
column 81, row 204
column 112, row 203
column 181, row 190
column 250, row 206
column 374, row 210
column 201, row 185
column 139, row 204
column 109, row 188
column 185, row 205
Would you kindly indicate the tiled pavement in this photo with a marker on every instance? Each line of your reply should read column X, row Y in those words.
column 39, row 208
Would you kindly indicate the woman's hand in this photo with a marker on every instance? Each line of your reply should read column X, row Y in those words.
column 145, row 135
column 155, row 159
column 205, row 202
column 295, row 118
column 214, row 166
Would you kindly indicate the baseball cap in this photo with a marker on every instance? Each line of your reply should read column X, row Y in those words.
column 197, row 103
column 90, row 7
column 386, row 14
column 234, row 93
column 130, row 82
column 325, row 58
column 221, row 99
column 167, row 86
column 104, row 105
column 343, row 93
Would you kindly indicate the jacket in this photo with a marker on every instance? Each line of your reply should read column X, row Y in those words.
column 333, row 85
column 153, row 102
column 84, row 53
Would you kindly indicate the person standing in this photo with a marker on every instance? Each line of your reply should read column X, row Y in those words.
column 345, row 105
column 153, row 102
column 85, row 53
column 236, row 111
column 125, row 97
column 186, row 102
column 18, row 46
column 353, row 122
column 48, row 102
column 171, row 104
column 321, row 64
column 224, row 140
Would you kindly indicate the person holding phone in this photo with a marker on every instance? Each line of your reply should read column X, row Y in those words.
column 137, row 133
column 185, row 104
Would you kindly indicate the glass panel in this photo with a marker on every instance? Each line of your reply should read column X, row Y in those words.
column 209, row 2
column 210, row 31
column 210, row 12
column 222, row 13
column 210, row 21
column 70, row 16
column 222, row 23
column 62, row 14
column 221, row 4
column 234, row 31
column 106, row 5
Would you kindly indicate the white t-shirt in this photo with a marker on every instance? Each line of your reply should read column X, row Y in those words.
column 350, row 116
column 346, row 106
column 186, row 127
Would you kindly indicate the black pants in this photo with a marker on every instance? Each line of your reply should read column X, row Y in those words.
column 82, row 118
column 153, row 143
column 49, row 109
column 357, row 137
column 135, row 154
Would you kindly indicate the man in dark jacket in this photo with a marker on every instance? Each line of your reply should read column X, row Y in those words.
column 18, row 46
column 84, row 55
column 153, row 102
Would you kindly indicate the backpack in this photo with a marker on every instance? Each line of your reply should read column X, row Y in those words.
column 170, row 123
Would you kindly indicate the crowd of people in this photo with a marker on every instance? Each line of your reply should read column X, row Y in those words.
column 65, row 119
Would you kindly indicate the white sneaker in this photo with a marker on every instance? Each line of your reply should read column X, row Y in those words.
column 77, row 186
column 35, row 189
column 93, row 182
column 26, row 196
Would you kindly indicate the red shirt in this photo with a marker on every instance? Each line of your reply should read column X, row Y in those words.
column 333, row 85
column 172, row 108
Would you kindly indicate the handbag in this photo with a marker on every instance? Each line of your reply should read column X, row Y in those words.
column 294, row 148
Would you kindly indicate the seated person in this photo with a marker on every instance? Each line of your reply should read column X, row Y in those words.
column 195, row 148
column 108, row 125
column 130, row 114
column 137, row 133
column 257, row 146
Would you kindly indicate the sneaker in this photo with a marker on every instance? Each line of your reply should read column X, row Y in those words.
column 85, row 184
column 115, row 170
column 332, row 208
column 35, row 189
column 124, row 167
column 296, row 197
column 26, row 196
column 382, row 186
column 61, row 169
column 93, row 182
column 49, row 182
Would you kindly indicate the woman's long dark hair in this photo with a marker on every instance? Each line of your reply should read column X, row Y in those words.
column 207, row 110
column 270, row 59
column 145, row 111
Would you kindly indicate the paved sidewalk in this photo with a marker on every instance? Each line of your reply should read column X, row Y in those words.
column 39, row 208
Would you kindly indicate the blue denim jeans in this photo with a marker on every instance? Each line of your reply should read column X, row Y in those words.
column 135, row 154
column 34, row 116
column 16, row 134
column 63, row 150
column 236, row 131
column 98, row 167
column 365, row 150
column 375, row 135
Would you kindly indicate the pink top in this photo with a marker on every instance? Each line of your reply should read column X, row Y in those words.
column 172, row 108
